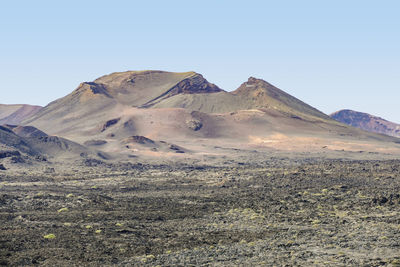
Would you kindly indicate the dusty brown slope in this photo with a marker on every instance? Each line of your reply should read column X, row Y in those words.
column 261, row 94
column 367, row 122
column 32, row 144
column 10, row 141
column 186, row 110
column 100, row 101
column 253, row 94
column 25, row 131
column 14, row 114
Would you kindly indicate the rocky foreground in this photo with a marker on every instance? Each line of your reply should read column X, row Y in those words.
column 285, row 213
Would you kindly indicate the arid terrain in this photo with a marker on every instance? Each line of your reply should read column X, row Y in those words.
column 154, row 168
column 283, row 212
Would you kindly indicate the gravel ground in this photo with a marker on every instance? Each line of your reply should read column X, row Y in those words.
column 308, row 213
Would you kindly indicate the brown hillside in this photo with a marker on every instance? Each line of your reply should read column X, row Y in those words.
column 185, row 110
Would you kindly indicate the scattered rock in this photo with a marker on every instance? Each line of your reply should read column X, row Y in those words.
column 17, row 159
column 176, row 148
column 93, row 162
column 40, row 158
column 2, row 167
column 109, row 124
column 95, row 142
column 8, row 154
column 195, row 125
column 139, row 140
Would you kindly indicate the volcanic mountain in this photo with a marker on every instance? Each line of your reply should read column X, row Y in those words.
column 113, row 93
column 367, row 122
column 14, row 114
column 184, row 110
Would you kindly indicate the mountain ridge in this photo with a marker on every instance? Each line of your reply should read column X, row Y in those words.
column 185, row 110
column 160, row 89
column 367, row 122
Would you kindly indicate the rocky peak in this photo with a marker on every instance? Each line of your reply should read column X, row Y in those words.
column 195, row 84
column 88, row 89
column 253, row 80
column 255, row 86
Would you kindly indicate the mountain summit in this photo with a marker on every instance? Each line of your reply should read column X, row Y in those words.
column 261, row 94
column 97, row 100
column 144, row 87
column 173, row 111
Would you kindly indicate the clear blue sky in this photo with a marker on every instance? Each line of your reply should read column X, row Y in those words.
column 331, row 54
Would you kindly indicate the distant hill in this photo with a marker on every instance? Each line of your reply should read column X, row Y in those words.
column 14, row 114
column 367, row 122
column 19, row 144
column 25, row 131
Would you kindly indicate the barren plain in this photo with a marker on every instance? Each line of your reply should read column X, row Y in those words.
column 282, row 212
